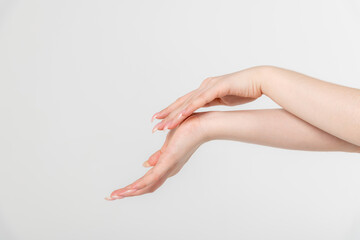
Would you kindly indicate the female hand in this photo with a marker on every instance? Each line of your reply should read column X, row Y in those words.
column 179, row 145
column 230, row 90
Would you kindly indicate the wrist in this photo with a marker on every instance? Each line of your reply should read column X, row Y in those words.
column 262, row 77
column 208, row 125
column 196, row 126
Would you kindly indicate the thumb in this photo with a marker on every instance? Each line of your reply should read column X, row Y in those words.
column 153, row 159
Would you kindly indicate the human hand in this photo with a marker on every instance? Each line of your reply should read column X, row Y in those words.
column 230, row 90
column 179, row 145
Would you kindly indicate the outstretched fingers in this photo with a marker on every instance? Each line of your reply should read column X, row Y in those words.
column 166, row 111
column 146, row 184
column 203, row 98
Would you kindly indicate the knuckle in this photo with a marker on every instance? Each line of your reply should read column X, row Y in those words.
column 209, row 79
column 202, row 97
column 179, row 99
column 200, row 100
column 206, row 81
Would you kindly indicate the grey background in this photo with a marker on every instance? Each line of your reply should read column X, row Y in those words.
column 80, row 80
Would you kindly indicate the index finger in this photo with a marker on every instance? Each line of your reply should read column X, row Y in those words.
column 165, row 112
column 152, row 177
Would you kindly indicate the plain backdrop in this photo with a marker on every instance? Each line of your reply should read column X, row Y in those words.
column 80, row 80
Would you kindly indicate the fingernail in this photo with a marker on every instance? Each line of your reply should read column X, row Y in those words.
column 146, row 164
column 153, row 117
column 166, row 127
column 154, row 129
column 109, row 198
column 179, row 115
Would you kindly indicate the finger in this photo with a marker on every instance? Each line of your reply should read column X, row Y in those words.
column 153, row 159
column 165, row 112
column 117, row 193
column 152, row 176
column 149, row 189
column 159, row 170
column 123, row 191
column 208, row 97
column 167, row 122
column 214, row 102
column 158, row 126
column 200, row 100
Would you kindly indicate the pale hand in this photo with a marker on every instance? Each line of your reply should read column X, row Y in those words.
column 230, row 90
column 179, row 145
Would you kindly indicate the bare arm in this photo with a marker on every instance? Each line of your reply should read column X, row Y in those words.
column 330, row 107
column 272, row 127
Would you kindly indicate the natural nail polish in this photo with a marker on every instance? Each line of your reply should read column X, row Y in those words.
column 154, row 129
column 146, row 164
column 109, row 198
column 153, row 117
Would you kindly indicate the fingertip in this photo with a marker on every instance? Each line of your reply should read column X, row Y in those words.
column 146, row 164
column 113, row 194
column 154, row 116
column 113, row 197
column 154, row 129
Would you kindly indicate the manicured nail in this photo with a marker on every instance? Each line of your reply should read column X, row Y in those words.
column 156, row 126
column 146, row 164
column 111, row 198
column 154, row 116
column 166, row 127
column 154, row 129
column 179, row 115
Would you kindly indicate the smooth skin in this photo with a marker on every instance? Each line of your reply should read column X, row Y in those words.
column 315, row 116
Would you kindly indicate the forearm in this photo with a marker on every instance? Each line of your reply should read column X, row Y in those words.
column 332, row 108
column 271, row 127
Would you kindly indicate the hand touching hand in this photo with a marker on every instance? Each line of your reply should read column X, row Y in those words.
column 179, row 145
column 230, row 90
